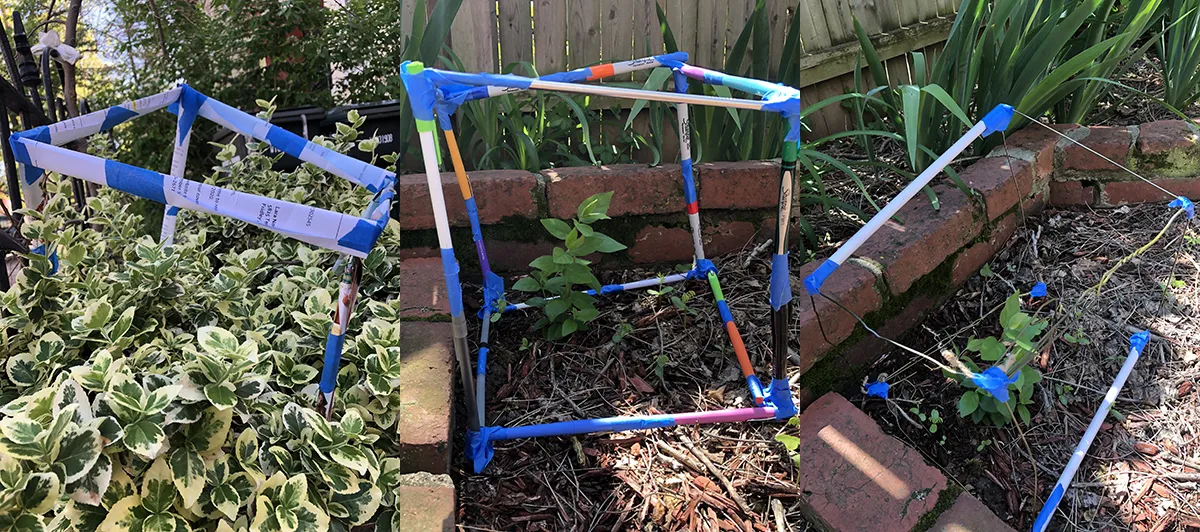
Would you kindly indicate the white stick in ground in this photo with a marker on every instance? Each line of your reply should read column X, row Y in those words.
column 1137, row 344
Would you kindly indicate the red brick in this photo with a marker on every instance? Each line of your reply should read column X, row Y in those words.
column 869, row 349
column 498, row 193
column 426, row 371
column 1141, row 192
column 423, row 288
column 927, row 238
column 1067, row 193
column 1039, row 143
column 425, row 504
column 851, row 285
column 1002, row 181
column 856, row 478
column 739, row 185
column 973, row 258
column 1111, row 142
column 969, row 515
column 1166, row 135
column 509, row 256
column 655, row 243
column 637, row 188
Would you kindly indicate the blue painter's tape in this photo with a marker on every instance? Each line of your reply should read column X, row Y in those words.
column 172, row 211
column 672, row 60
column 115, row 116
column 286, row 141
column 473, row 216
column 793, row 134
column 755, row 385
column 190, row 101
column 812, row 283
column 611, row 289
column 681, row 81
column 723, row 308
column 479, row 447
column 422, row 95
column 137, row 181
column 493, row 292
column 20, row 153
column 781, row 283
column 363, row 236
column 31, row 174
column 995, row 382
column 689, row 182
column 453, row 287
column 878, row 389
column 1139, row 340
column 481, row 363
column 445, row 111
column 333, row 357
column 997, row 119
column 781, row 399
column 41, row 250
column 1043, row 518
column 1038, row 290
column 587, row 426
column 705, row 267
column 1185, row 204
column 40, row 134
column 444, row 77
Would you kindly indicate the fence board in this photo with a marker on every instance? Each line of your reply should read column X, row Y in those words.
column 516, row 32
column 910, row 11
column 617, row 28
column 866, row 11
column 473, row 35
column 584, row 34
column 681, row 18
column 779, row 17
column 550, row 36
column 647, row 35
column 740, row 12
column 840, row 24
column 814, row 31
column 710, row 34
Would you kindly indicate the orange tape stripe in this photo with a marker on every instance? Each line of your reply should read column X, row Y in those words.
column 460, row 171
column 600, row 71
column 739, row 349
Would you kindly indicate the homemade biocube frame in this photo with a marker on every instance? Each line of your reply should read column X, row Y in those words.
column 37, row 150
column 438, row 93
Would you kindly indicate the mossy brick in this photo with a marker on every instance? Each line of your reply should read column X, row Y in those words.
column 637, row 188
column 852, row 285
column 1112, row 142
column 927, row 237
column 856, row 478
column 1168, row 148
column 1035, row 144
column 738, row 185
column 423, row 289
column 1002, row 181
column 426, row 377
column 1069, row 193
column 425, row 503
column 969, row 515
column 1123, row 192
column 498, row 194
column 973, row 257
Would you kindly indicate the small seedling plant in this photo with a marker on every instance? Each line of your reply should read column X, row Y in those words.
column 556, row 277
column 1017, row 344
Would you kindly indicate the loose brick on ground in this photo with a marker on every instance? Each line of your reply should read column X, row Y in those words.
column 637, row 188
column 927, row 238
column 425, row 503
column 969, row 515
column 856, row 478
column 426, row 374
column 423, row 289
column 497, row 193
column 738, row 185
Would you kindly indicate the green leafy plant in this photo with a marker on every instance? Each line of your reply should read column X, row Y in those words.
column 1017, row 344
column 556, row 276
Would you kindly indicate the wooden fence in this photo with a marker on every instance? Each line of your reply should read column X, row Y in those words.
column 555, row 35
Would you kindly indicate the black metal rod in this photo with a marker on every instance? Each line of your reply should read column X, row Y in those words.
column 10, row 166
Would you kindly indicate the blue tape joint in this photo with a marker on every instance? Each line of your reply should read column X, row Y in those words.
column 479, row 447
column 190, row 101
column 673, row 60
column 1185, row 204
column 781, row 399
column 1139, row 340
column 1038, row 290
column 1043, row 518
column 812, row 283
column 878, row 389
column 421, row 93
column 493, row 292
column 997, row 119
column 333, row 354
column 781, row 283
column 995, row 382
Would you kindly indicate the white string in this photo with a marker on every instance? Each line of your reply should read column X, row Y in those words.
column 1098, row 154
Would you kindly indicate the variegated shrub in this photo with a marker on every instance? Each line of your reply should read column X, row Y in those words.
column 170, row 389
